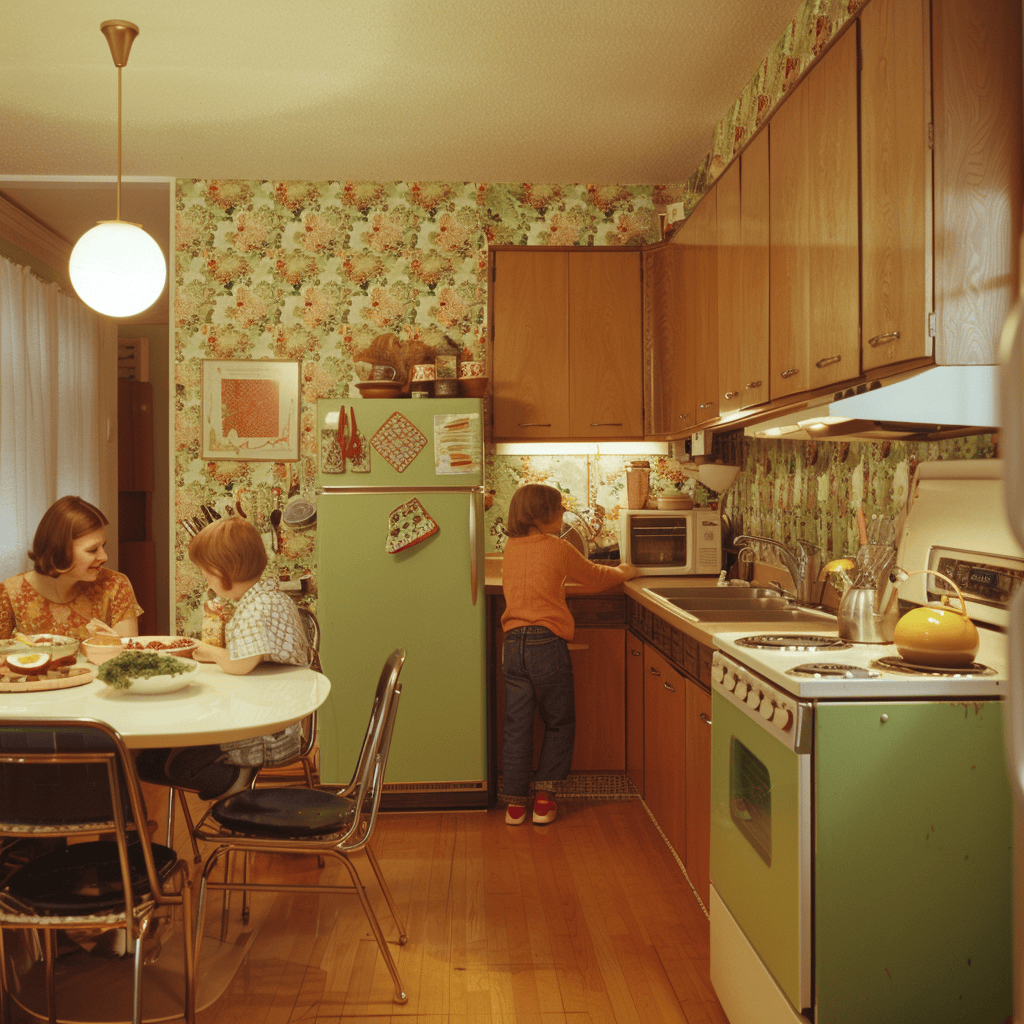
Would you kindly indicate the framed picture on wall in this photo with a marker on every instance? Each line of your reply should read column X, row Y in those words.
column 251, row 410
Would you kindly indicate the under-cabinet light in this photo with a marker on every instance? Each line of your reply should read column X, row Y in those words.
column 582, row 448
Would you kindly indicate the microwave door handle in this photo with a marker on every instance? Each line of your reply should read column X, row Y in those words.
column 473, row 584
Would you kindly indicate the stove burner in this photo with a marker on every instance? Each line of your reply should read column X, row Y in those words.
column 792, row 642
column 909, row 668
column 829, row 670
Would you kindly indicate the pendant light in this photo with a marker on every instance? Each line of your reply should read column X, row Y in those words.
column 116, row 267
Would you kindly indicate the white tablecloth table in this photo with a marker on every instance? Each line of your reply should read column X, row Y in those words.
column 214, row 708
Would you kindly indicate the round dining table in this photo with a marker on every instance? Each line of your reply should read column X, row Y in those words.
column 214, row 707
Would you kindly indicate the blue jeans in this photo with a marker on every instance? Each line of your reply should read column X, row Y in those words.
column 538, row 675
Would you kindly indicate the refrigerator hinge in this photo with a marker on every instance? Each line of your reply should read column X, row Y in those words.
column 931, row 325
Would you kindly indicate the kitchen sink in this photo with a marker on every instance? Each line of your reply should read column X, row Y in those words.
column 793, row 615
column 691, row 594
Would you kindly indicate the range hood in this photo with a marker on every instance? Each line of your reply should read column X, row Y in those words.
column 920, row 405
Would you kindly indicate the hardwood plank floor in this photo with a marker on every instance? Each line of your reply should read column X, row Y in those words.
column 586, row 921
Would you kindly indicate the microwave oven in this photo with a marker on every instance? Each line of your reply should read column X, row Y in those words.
column 671, row 543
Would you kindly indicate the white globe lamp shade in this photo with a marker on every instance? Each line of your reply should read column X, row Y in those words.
column 117, row 269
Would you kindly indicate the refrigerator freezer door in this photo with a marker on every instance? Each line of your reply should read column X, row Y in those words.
column 421, row 598
column 435, row 442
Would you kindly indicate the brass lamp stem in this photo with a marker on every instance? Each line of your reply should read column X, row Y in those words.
column 120, row 35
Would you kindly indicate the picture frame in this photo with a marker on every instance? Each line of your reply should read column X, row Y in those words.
column 251, row 409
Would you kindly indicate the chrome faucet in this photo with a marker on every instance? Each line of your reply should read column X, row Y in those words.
column 802, row 565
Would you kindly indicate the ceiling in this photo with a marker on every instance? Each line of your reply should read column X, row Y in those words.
column 597, row 91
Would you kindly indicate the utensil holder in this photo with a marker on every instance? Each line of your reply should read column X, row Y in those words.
column 861, row 619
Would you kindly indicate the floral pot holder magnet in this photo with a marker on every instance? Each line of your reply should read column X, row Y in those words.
column 409, row 524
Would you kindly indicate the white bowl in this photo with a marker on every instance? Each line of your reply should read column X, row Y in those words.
column 58, row 646
column 147, row 685
column 98, row 653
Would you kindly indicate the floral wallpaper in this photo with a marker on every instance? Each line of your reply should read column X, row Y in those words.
column 320, row 272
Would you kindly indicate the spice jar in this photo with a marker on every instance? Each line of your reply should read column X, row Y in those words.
column 638, row 483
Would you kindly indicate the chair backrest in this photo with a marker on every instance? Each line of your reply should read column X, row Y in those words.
column 312, row 626
column 80, row 780
column 368, row 779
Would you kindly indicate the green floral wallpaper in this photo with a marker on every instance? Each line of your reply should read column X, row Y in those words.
column 316, row 271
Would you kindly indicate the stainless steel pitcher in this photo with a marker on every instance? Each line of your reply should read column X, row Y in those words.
column 863, row 618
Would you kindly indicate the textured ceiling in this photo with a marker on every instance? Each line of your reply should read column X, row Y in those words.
column 602, row 91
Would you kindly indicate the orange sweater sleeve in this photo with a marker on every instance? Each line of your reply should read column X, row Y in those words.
column 534, row 572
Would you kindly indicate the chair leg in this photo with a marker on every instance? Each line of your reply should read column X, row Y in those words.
column 51, row 985
column 5, row 997
column 190, row 955
column 378, row 934
column 187, row 814
column 137, row 969
column 403, row 935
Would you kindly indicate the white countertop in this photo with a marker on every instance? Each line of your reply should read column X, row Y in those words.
column 215, row 707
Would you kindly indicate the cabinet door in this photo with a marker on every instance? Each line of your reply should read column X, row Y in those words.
column 635, row 711
column 605, row 339
column 743, row 279
column 530, row 352
column 698, row 788
column 598, row 668
column 668, row 377
column 700, row 297
column 665, row 747
column 896, row 176
column 814, row 253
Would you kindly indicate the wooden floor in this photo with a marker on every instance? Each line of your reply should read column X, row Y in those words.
column 587, row 920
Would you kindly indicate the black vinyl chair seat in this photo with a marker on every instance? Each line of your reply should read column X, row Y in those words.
column 286, row 812
column 84, row 878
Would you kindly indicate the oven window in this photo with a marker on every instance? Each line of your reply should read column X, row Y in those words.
column 750, row 799
column 657, row 541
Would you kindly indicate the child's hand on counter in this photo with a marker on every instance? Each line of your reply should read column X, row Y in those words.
column 628, row 571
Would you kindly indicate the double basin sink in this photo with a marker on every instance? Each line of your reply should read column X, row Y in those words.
column 735, row 604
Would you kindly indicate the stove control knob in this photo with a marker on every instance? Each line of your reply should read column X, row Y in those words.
column 754, row 697
column 767, row 708
column 741, row 688
column 717, row 672
column 782, row 718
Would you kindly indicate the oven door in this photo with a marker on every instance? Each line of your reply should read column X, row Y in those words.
column 761, row 823
column 659, row 543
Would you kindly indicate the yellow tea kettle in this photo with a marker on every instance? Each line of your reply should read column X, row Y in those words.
column 938, row 635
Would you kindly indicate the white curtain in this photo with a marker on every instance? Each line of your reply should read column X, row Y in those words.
column 52, row 422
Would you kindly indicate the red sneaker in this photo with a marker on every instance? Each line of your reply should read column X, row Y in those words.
column 544, row 809
column 515, row 814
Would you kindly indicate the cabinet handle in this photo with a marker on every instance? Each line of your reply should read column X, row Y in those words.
column 732, row 394
column 792, row 372
column 753, row 384
column 606, row 424
column 827, row 361
column 654, row 671
column 535, row 424
column 684, row 415
column 884, row 339
column 669, row 687
column 636, row 654
column 706, row 405
column 704, row 718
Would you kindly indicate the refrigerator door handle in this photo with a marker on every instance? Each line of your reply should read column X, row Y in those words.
column 473, row 499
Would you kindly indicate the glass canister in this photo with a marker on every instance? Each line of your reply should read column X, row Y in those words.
column 638, row 483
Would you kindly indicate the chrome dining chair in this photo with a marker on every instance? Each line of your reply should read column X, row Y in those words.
column 75, row 779
column 329, row 821
column 306, row 755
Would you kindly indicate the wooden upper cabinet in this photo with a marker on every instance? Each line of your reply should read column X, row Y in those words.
column 743, row 279
column 814, row 251
column 896, row 182
column 699, row 240
column 530, row 355
column 605, row 337
column 669, row 403
column 976, row 75
column 566, row 344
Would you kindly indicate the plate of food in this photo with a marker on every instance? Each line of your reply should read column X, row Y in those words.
column 147, row 672
column 28, row 671
column 101, row 647
column 57, row 646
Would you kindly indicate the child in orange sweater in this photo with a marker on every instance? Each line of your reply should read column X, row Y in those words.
column 535, row 657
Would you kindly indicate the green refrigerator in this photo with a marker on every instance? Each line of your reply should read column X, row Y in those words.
column 400, row 563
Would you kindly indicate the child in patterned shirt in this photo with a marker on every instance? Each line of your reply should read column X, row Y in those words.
column 265, row 626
